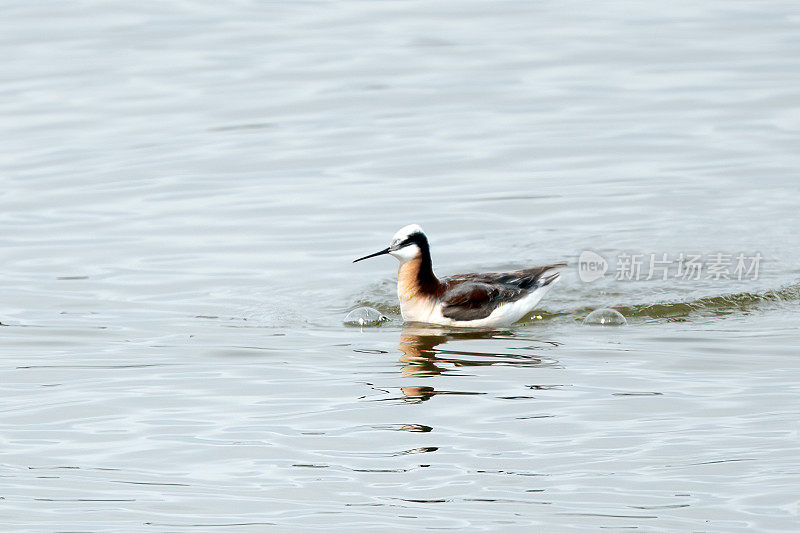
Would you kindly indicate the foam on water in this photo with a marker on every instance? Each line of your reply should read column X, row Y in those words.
column 605, row 317
column 364, row 316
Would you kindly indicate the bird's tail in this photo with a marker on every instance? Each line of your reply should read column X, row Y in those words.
column 548, row 279
column 550, row 275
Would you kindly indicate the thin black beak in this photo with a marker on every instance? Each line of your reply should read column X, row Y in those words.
column 384, row 251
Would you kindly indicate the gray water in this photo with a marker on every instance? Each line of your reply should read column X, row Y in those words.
column 185, row 184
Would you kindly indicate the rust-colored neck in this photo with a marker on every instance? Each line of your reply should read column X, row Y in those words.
column 416, row 278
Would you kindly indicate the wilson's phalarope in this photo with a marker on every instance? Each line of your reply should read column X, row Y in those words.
column 464, row 300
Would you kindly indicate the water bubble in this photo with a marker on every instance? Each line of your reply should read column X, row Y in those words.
column 605, row 317
column 364, row 316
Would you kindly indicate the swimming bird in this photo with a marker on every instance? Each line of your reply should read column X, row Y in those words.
column 464, row 300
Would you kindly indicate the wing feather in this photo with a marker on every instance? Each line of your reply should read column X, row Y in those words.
column 475, row 296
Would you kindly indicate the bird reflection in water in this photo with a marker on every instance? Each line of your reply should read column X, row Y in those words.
column 423, row 359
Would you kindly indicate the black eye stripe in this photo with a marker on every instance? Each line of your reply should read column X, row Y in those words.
column 415, row 238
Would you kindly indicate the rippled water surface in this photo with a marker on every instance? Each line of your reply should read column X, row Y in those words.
column 185, row 184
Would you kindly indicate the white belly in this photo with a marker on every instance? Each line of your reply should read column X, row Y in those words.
column 430, row 311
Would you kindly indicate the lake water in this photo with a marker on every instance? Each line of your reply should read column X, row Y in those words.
column 185, row 185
